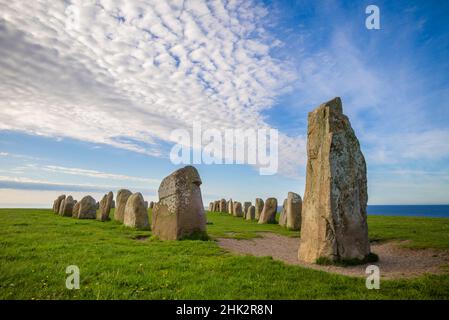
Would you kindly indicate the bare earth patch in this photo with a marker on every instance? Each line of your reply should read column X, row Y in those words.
column 394, row 261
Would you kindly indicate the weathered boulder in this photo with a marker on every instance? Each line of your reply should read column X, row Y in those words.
column 268, row 214
column 246, row 206
column 222, row 206
column 87, row 208
column 334, row 211
column 251, row 213
column 211, row 206
column 57, row 203
column 259, row 207
column 67, row 207
column 283, row 215
column 121, row 199
column 136, row 215
column 237, row 209
column 105, row 206
column 180, row 211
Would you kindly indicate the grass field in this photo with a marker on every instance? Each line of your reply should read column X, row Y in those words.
column 116, row 262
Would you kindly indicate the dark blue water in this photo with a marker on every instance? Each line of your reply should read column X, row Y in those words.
column 436, row 211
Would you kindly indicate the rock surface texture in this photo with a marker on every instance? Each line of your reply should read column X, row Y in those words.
column 136, row 214
column 87, row 208
column 334, row 222
column 179, row 212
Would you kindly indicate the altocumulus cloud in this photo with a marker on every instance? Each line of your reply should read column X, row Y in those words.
column 127, row 73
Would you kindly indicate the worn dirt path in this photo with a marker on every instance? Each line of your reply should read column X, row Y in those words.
column 394, row 261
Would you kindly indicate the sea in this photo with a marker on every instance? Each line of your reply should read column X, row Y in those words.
column 433, row 211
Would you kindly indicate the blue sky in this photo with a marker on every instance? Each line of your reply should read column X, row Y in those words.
column 89, row 92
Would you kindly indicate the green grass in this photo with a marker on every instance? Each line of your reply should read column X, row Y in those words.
column 116, row 262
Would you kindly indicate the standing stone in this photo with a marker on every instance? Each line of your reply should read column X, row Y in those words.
column 57, row 203
column 230, row 206
column 105, row 206
column 122, row 198
column 246, row 206
column 222, row 206
column 145, row 203
column 61, row 207
column 67, row 208
column 217, row 206
column 259, row 207
column 283, row 215
column 334, row 213
column 237, row 209
column 136, row 215
column 151, row 204
column 251, row 214
column 180, row 211
column 76, row 209
column 293, row 211
column 268, row 214
column 211, row 206
column 87, row 208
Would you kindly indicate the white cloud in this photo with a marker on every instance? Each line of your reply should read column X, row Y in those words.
column 127, row 73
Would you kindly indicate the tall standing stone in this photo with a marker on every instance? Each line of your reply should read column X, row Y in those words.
column 268, row 214
column 334, row 222
column 151, row 204
column 61, row 207
column 87, row 208
column 211, row 206
column 237, row 209
column 259, row 207
column 122, row 198
column 251, row 213
column 180, row 211
column 222, row 206
column 67, row 208
column 105, row 206
column 136, row 215
column 293, row 211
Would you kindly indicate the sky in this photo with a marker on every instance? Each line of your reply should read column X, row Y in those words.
column 91, row 91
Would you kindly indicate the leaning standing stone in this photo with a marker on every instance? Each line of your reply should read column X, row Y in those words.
column 268, row 214
column 246, row 206
column 180, row 211
column 283, row 215
column 136, row 215
column 57, row 203
column 76, row 209
column 334, row 212
column 259, row 207
column 105, row 207
column 122, row 198
column 87, row 208
column 251, row 213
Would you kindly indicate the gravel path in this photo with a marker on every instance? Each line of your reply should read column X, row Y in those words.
column 394, row 261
